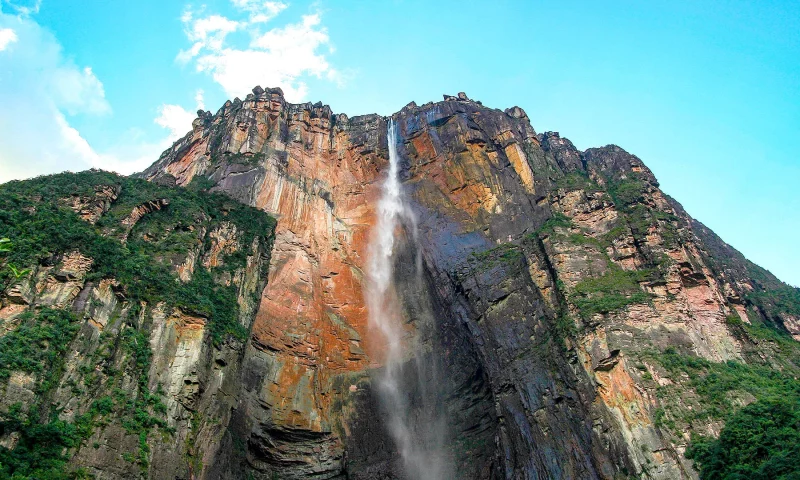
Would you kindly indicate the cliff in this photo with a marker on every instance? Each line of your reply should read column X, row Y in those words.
column 563, row 316
column 121, row 346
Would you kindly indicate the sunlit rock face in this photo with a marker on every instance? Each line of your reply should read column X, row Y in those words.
column 546, row 277
column 316, row 172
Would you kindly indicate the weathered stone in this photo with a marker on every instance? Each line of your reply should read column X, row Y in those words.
column 138, row 212
column 476, row 178
column 90, row 208
column 529, row 384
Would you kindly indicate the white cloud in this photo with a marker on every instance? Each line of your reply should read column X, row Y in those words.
column 71, row 142
column 7, row 37
column 185, row 56
column 177, row 119
column 79, row 91
column 205, row 33
column 41, row 90
column 44, row 93
column 279, row 57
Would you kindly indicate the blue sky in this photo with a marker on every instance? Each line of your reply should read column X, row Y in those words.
column 706, row 93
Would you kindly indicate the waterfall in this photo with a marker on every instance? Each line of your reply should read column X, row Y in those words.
column 416, row 432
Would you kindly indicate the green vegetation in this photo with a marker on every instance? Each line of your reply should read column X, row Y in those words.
column 629, row 197
column 505, row 254
column 16, row 272
column 200, row 184
column 564, row 326
column 36, row 219
column 721, row 386
column 203, row 296
column 785, row 349
column 38, row 344
column 628, row 192
column 760, row 440
column 774, row 296
column 577, row 180
column 615, row 289
column 641, row 219
column 30, row 215
column 39, row 452
column 615, row 233
column 558, row 220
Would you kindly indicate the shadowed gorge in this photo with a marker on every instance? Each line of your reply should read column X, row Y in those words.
column 443, row 293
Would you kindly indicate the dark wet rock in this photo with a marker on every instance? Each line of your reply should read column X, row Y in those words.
column 536, row 371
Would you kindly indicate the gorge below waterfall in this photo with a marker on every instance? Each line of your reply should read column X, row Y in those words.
column 443, row 293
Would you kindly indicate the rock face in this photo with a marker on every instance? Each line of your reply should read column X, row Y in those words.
column 504, row 285
column 116, row 343
column 550, row 283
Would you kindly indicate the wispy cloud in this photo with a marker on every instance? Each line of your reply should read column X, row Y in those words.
column 78, row 90
column 199, row 99
column 23, row 8
column 278, row 57
column 259, row 10
column 42, row 91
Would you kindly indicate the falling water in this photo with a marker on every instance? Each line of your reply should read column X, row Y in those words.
column 416, row 435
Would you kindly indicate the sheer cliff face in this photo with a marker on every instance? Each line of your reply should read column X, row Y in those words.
column 317, row 174
column 121, row 348
column 552, row 275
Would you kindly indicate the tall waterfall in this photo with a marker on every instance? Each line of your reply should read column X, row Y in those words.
column 415, row 431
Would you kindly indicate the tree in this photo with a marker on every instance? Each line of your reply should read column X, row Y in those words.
column 5, row 247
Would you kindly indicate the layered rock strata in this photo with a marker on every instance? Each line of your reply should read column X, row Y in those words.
column 552, row 281
column 483, row 184
column 122, row 346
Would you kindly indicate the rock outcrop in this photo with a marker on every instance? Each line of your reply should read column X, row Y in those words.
column 484, row 185
column 129, row 367
column 555, row 285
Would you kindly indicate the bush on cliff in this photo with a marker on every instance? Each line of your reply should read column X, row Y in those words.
column 615, row 289
column 759, row 442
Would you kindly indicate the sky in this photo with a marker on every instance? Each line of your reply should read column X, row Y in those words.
column 706, row 93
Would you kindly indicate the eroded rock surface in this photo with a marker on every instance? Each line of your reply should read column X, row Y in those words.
column 540, row 377
column 551, row 282
column 141, row 369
